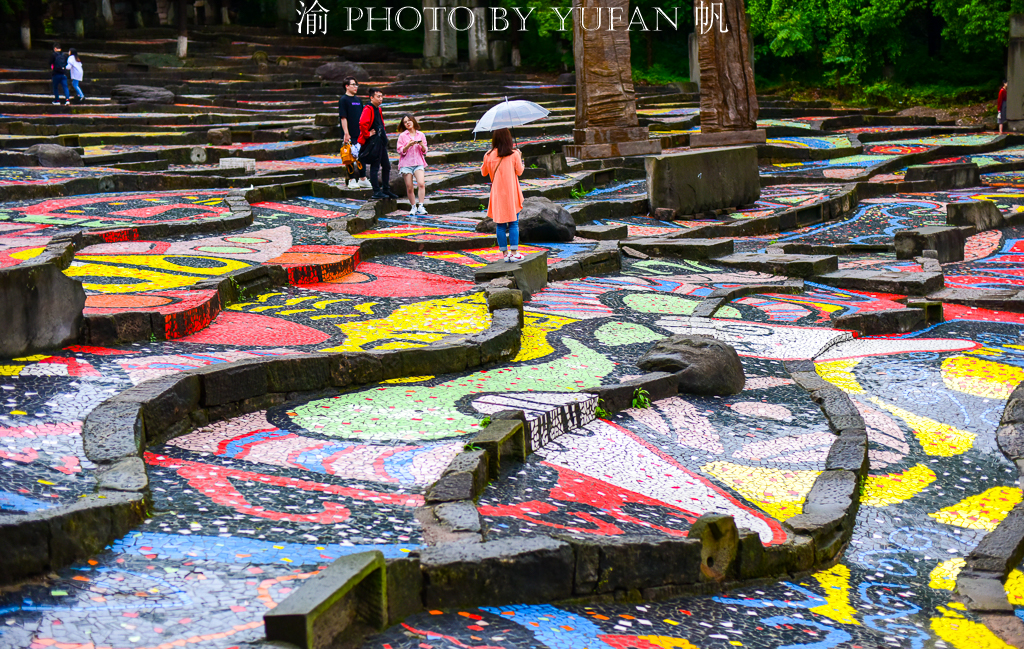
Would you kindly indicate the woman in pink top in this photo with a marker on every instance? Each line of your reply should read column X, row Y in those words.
column 412, row 162
column 504, row 164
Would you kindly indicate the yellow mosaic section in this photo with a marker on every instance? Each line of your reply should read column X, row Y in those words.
column 836, row 583
column 962, row 633
column 936, row 438
column 892, row 488
column 153, row 270
column 943, row 576
column 535, row 335
column 417, row 324
column 840, row 374
column 983, row 511
column 980, row 378
column 779, row 493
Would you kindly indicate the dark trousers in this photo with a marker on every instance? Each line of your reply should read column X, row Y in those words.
column 384, row 165
column 58, row 81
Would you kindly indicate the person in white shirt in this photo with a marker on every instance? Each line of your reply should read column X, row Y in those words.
column 75, row 66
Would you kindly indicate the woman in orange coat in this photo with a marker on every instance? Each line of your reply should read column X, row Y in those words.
column 504, row 164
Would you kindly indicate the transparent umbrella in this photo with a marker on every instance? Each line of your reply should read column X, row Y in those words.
column 509, row 114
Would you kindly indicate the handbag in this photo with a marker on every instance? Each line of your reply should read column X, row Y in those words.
column 351, row 163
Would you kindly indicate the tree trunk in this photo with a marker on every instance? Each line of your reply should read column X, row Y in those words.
column 182, row 16
column 26, row 28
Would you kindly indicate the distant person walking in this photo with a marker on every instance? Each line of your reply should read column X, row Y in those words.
column 504, row 164
column 350, row 109
column 1001, row 106
column 412, row 162
column 75, row 68
column 58, row 65
column 373, row 146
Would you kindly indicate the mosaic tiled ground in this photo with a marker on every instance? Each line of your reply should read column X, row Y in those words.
column 245, row 510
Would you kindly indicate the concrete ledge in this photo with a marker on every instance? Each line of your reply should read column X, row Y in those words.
column 884, row 281
column 695, row 249
column 887, row 321
column 948, row 242
column 789, row 265
column 983, row 215
column 333, row 604
column 947, row 176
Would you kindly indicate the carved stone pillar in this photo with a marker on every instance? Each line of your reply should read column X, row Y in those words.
column 728, row 98
column 606, row 121
column 479, row 54
column 448, row 49
column 431, row 35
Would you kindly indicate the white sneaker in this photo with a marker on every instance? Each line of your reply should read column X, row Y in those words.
column 421, row 210
column 353, row 183
column 365, row 183
column 413, row 211
column 516, row 257
column 505, row 256
column 55, row 103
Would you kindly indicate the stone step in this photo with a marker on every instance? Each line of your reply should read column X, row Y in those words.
column 788, row 265
column 883, row 281
column 695, row 249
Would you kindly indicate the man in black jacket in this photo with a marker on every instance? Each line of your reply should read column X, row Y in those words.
column 58, row 72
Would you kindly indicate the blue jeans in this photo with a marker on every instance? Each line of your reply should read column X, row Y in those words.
column 78, row 91
column 58, row 81
column 509, row 231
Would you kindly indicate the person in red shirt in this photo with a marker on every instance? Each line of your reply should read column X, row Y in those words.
column 1001, row 106
column 371, row 125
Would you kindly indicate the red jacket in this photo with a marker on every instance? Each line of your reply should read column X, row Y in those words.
column 1002, row 99
column 366, row 122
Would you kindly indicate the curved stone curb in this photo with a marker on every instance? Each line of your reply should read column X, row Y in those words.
column 980, row 582
column 461, row 569
column 116, row 433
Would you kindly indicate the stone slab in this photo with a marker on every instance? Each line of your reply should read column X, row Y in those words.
column 602, row 232
column 351, row 592
column 785, row 264
column 886, row 321
column 695, row 249
column 728, row 138
column 699, row 181
column 947, row 242
column 530, row 274
column 884, row 281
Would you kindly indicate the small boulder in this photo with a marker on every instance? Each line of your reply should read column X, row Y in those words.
column 338, row 70
column 55, row 155
column 704, row 365
column 540, row 221
column 219, row 136
column 305, row 133
column 125, row 94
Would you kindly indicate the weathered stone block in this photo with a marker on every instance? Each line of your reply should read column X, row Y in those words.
column 515, row 570
column 839, row 409
column 218, row 136
column 127, row 474
column 983, row 593
column 564, row 270
column 405, row 588
column 698, row 181
column 42, row 309
column 463, row 479
column 885, row 321
column 947, row 241
column 165, row 401
column 983, row 215
column 788, row 265
column 230, row 382
column 946, row 176
column 503, row 439
column 530, row 274
column 298, row 373
column 348, row 597
column 459, row 516
column 115, row 429
column 832, row 491
column 849, row 452
column 617, row 397
column 1002, row 549
column 695, row 249
column 884, row 281
column 719, row 540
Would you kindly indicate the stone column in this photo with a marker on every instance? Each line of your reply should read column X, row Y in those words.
column 478, row 39
column 431, row 35
column 694, row 60
column 287, row 17
column 1015, row 75
column 448, row 49
column 728, row 98
column 606, row 121
column 499, row 54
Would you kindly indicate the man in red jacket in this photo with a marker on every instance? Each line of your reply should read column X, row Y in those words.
column 1001, row 106
column 371, row 124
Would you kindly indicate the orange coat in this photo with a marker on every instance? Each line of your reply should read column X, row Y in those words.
column 506, row 196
